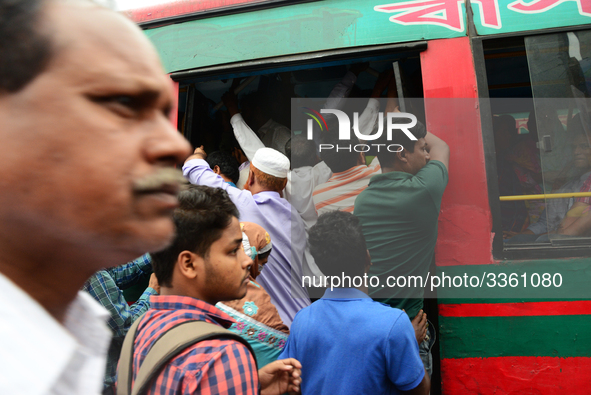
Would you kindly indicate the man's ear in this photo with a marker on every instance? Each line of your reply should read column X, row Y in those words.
column 361, row 159
column 251, row 178
column 401, row 156
column 216, row 169
column 284, row 184
column 367, row 261
column 189, row 264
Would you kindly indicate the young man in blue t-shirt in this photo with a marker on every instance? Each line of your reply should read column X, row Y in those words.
column 348, row 343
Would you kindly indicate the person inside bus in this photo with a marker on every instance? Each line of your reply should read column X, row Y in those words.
column 525, row 158
column 261, row 202
column 307, row 170
column 513, row 213
column 566, row 217
column 255, row 116
column 224, row 165
column 351, row 174
column 347, row 342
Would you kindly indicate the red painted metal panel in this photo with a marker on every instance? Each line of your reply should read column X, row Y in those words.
column 174, row 112
column 582, row 307
column 183, row 7
column 465, row 221
column 517, row 375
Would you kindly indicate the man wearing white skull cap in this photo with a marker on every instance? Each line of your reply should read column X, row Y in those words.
column 261, row 202
column 271, row 162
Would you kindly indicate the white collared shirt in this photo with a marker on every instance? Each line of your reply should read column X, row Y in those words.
column 40, row 356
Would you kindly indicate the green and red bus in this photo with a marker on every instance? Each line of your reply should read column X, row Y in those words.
column 469, row 61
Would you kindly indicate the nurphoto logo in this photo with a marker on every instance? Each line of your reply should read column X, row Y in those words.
column 392, row 123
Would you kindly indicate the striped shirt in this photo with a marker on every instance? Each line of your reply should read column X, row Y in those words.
column 219, row 366
column 341, row 190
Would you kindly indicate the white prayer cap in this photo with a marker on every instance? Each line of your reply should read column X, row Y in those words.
column 271, row 162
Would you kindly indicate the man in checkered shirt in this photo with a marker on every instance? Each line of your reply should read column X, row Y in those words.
column 205, row 264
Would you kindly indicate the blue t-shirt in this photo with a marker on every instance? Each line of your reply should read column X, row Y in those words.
column 350, row 344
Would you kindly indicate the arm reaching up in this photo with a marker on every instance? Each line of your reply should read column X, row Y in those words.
column 246, row 137
column 438, row 149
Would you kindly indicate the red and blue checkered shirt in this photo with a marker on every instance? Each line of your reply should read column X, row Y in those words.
column 219, row 366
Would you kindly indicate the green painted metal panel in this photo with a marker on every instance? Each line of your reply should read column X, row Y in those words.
column 506, row 16
column 485, row 337
column 575, row 275
column 287, row 30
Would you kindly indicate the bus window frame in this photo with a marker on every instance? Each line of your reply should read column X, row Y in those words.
column 258, row 66
column 278, row 62
column 499, row 250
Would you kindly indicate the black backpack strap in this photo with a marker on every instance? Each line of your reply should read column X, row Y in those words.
column 169, row 345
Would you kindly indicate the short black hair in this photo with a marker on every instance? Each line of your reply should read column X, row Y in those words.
column 202, row 216
column 342, row 156
column 337, row 244
column 385, row 156
column 25, row 45
column 228, row 165
column 303, row 152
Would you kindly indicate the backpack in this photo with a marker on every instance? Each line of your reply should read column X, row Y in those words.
column 170, row 344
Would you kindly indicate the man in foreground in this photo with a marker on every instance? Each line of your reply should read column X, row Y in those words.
column 205, row 264
column 348, row 343
column 399, row 212
column 86, row 149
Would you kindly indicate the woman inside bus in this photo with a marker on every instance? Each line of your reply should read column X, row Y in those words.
column 257, row 319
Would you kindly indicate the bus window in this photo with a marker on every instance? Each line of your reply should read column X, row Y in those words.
column 204, row 120
column 541, row 135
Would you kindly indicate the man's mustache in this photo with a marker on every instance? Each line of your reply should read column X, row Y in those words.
column 164, row 178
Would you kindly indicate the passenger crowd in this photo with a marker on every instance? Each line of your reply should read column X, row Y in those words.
column 88, row 181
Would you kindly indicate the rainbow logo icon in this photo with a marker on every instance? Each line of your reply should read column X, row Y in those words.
column 315, row 115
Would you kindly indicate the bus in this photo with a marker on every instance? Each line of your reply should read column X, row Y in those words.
column 518, row 320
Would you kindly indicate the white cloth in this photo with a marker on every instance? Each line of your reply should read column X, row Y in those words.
column 271, row 134
column 300, row 187
column 274, row 135
column 244, row 170
column 42, row 357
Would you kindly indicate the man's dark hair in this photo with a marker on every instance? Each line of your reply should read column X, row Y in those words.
column 227, row 164
column 388, row 158
column 341, row 159
column 202, row 216
column 337, row 244
column 25, row 46
column 303, row 152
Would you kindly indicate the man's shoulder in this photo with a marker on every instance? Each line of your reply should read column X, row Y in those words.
column 374, row 310
column 434, row 171
column 100, row 278
column 153, row 327
column 219, row 347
